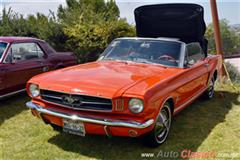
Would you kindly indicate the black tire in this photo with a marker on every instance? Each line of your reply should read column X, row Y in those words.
column 208, row 94
column 56, row 127
column 160, row 132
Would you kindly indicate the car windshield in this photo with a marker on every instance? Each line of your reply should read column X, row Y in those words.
column 2, row 48
column 144, row 51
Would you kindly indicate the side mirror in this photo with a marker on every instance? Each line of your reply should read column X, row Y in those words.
column 191, row 62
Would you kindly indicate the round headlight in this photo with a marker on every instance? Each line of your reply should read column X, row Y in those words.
column 34, row 90
column 135, row 105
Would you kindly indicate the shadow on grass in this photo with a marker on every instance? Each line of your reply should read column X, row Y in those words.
column 190, row 128
column 12, row 106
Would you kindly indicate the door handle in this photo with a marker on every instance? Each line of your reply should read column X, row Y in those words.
column 206, row 65
column 39, row 61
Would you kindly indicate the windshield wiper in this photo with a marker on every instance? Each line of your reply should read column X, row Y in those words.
column 114, row 59
column 149, row 62
column 135, row 61
column 144, row 61
column 108, row 59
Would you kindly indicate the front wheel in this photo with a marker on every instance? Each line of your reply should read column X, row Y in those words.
column 161, row 129
column 208, row 94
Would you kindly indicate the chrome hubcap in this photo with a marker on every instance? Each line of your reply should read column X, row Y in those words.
column 211, row 89
column 163, row 124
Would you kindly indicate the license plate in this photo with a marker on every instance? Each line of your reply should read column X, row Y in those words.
column 74, row 127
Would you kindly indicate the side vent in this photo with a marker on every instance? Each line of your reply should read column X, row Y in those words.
column 119, row 104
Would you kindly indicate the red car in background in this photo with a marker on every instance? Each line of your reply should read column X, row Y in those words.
column 22, row 58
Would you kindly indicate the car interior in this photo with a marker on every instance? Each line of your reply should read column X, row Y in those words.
column 24, row 51
column 194, row 53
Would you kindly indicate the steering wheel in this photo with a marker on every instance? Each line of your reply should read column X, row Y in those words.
column 167, row 58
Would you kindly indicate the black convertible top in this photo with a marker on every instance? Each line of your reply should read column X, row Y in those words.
column 177, row 20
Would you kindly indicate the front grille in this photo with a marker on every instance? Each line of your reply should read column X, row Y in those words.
column 79, row 102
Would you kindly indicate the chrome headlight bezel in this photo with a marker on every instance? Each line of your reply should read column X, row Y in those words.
column 34, row 90
column 135, row 105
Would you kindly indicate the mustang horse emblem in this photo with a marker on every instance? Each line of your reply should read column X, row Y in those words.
column 69, row 99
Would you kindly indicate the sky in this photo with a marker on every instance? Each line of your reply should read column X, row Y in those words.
column 228, row 9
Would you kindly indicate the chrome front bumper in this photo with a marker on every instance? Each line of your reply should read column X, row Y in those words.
column 105, row 122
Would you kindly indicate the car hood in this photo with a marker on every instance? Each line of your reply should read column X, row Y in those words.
column 104, row 78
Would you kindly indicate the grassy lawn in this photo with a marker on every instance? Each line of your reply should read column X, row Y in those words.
column 204, row 126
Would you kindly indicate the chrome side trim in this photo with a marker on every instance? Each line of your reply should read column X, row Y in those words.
column 105, row 122
column 12, row 93
column 190, row 100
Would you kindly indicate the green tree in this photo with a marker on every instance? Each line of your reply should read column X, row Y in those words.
column 230, row 40
column 91, row 25
column 39, row 26
column 85, row 27
column 12, row 23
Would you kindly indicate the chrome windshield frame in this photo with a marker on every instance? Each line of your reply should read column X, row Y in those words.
column 181, row 56
column 5, row 51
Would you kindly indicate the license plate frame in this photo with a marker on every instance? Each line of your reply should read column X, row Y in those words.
column 74, row 127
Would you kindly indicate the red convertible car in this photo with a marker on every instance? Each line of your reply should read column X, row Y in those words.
column 136, row 86
column 22, row 58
